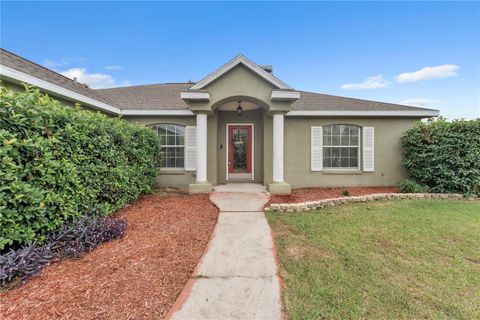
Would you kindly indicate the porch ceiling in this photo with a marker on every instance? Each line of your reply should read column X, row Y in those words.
column 232, row 106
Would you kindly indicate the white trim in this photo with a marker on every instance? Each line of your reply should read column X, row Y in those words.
column 13, row 74
column 228, row 144
column 201, row 141
column 48, row 86
column 232, row 64
column 278, row 140
column 368, row 149
column 359, row 146
column 190, row 95
column 284, row 95
column 407, row 113
column 133, row 112
column 340, row 170
column 314, row 148
column 190, row 147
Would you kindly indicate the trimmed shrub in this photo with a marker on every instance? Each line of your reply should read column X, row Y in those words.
column 71, row 241
column 411, row 186
column 444, row 156
column 60, row 163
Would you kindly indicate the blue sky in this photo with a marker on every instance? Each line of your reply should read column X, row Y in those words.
column 371, row 50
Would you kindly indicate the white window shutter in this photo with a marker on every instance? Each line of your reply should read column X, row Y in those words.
column 368, row 149
column 316, row 149
column 190, row 148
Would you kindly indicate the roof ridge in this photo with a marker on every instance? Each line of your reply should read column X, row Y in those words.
column 143, row 85
column 47, row 69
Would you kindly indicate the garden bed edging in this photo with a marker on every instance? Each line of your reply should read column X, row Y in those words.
column 312, row 205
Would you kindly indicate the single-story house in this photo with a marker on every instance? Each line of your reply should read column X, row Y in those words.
column 242, row 124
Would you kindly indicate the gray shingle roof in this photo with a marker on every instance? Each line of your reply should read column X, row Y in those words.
column 166, row 96
column 18, row 63
column 324, row 102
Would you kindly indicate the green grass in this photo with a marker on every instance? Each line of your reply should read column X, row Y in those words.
column 409, row 259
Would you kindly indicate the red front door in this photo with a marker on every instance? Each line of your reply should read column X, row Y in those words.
column 239, row 149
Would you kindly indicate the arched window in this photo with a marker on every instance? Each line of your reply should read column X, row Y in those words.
column 341, row 146
column 173, row 144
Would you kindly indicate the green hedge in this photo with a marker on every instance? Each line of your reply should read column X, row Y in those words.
column 444, row 156
column 60, row 163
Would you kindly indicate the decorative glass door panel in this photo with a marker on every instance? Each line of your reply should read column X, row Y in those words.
column 240, row 149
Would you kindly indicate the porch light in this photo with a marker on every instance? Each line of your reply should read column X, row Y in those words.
column 239, row 108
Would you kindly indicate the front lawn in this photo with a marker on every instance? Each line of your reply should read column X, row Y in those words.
column 383, row 260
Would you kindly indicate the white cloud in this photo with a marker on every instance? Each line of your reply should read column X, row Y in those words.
column 54, row 64
column 442, row 71
column 113, row 68
column 420, row 102
column 374, row 82
column 93, row 80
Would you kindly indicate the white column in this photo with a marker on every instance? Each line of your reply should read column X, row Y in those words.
column 201, row 147
column 278, row 148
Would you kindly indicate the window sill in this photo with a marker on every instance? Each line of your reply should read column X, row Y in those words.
column 163, row 171
column 340, row 171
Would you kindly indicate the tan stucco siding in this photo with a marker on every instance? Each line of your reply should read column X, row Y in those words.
column 239, row 82
column 173, row 177
column 212, row 146
column 388, row 153
column 228, row 117
column 148, row 120
column 12, row 86
column 267, row 148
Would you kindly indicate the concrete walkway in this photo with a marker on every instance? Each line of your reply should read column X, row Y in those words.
column 237, row 277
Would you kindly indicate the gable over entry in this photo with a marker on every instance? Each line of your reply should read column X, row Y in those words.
column 240, row 80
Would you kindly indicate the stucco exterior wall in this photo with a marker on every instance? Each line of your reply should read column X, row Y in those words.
column 388, row 153
column 12, row 86
column 212, row 146
column 238, row 82
column 169, row 177
column 253, row 116
column 267, row 148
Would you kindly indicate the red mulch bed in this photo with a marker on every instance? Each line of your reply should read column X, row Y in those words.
column 136, row 277
column 312, row 194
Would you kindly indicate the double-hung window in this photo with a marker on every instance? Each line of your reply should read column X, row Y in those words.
column 173, row 144
column 341, row 147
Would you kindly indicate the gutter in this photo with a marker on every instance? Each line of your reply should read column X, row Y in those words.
column 405, row 113
column 18, row 76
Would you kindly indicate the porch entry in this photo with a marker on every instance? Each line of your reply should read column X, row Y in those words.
column 240, row 151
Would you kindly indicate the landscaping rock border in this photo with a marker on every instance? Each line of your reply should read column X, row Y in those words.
column 312, row 205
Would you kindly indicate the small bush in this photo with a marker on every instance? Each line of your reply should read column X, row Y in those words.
column 346, row 193
column 84, row 235
column 411, row 186
column 60, row 163
column 71, row 241
column 444, row 156
column 23, row 263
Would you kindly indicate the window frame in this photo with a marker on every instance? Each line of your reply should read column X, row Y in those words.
column 164, row 145
column 358, row 146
